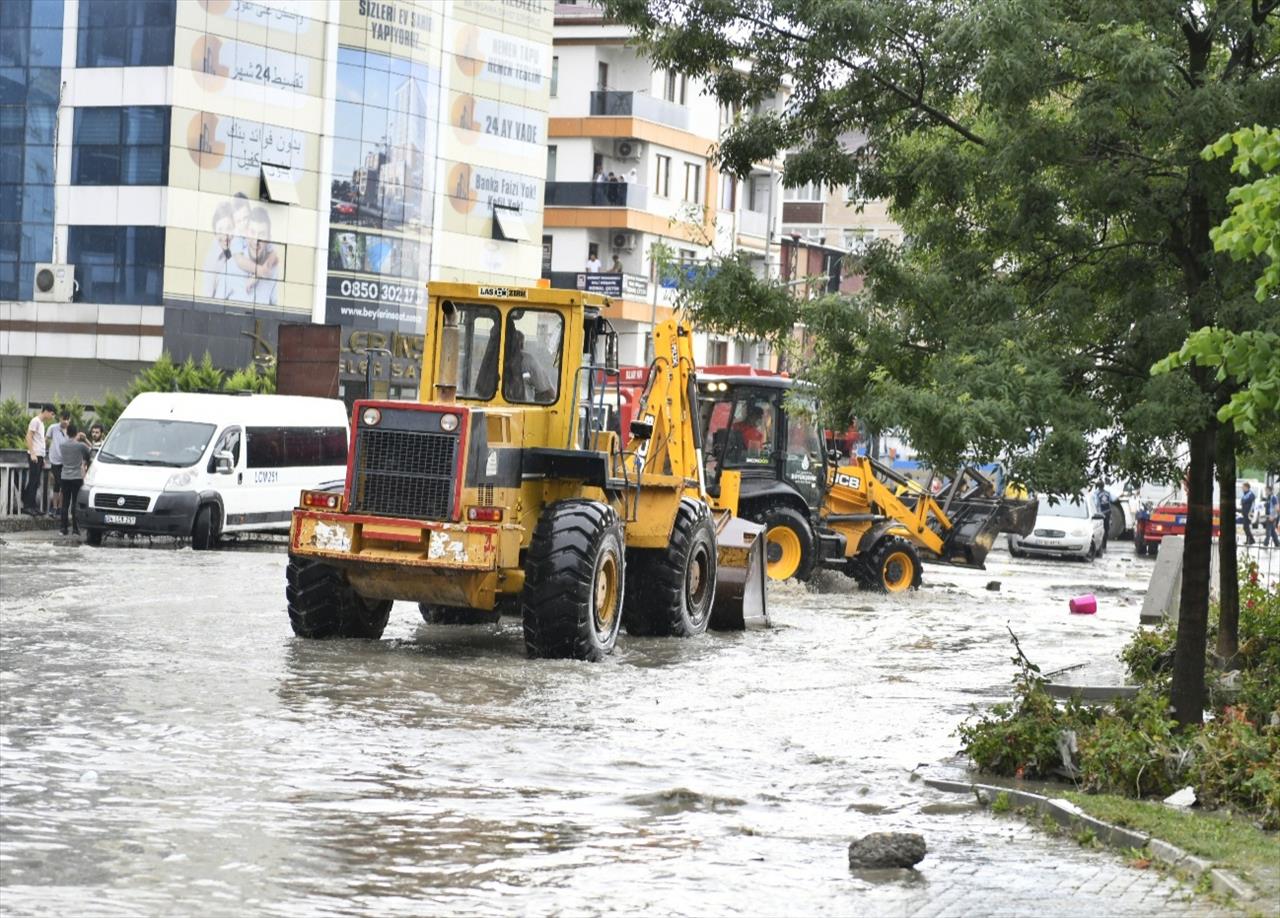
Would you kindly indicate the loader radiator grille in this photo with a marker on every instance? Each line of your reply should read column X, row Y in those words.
column 405, row 473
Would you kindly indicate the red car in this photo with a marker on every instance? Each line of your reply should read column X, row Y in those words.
column 1153, row 525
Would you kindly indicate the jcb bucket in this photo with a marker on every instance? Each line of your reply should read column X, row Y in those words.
column 976, row 523
column 740, row 576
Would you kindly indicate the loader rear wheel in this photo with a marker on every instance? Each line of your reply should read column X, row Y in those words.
column 895, row 566
column 455, row 615
column 574, row 574
column 670, row 590
column 323, row 605
column 788, row 549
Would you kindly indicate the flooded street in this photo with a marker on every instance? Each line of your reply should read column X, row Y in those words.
column 168, row 746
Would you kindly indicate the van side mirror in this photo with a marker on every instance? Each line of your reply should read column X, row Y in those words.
column 224, row 462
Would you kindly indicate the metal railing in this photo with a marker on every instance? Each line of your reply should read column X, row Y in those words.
column 13, row 478
column 640, row 105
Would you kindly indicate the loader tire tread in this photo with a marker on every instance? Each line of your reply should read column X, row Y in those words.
column 656, row 597
column 556, row 602
column 323, row 605
column 880, row 556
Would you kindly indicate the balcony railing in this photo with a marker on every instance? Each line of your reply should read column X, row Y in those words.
column 595, row 194
column 753, row 223
column 640, row 105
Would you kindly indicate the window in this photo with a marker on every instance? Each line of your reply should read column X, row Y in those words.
column 229, row 442
column 602, row 76
column 717, row 352
column 693, row 183
column 295, row 447
column 810, row 191
column 555, row 75
column 30, row 62
column 121, row 146
column 134, row 34
column 531, row 365
column 728, row 192
column 118, row 264
column 477, row 351
column 674, row 86
column 662, row 176
column 551, row 162
column 857, row 240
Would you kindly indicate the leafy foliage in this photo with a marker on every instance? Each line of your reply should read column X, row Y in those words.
column 1044, row 160
column 1252, row 229
column 1249, row 359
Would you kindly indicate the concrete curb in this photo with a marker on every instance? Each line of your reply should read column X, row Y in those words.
column 1070, row 816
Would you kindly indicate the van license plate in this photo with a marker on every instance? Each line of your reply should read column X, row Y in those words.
column 120, row 519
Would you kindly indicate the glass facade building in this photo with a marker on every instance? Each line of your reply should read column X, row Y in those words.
column 30, row 75
column 209, row 170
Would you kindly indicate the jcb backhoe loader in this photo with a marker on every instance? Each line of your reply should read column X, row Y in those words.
column 860, row 517
column 506, row 491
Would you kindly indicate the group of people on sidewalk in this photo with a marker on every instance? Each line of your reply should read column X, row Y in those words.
column 1270, row 515
column 67, row 451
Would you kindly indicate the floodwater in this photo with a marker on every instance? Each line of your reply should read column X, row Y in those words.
column 167, row 746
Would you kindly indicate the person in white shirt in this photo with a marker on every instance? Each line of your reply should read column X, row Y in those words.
column 35, row 459
column 593, row 263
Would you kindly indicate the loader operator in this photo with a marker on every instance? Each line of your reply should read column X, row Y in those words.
column 527, row 376
column 748, row 437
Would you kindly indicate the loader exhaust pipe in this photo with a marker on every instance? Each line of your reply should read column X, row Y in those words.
column 446, row 386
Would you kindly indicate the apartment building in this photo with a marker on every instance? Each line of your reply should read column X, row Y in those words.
column 631, row 185
column 189, row 175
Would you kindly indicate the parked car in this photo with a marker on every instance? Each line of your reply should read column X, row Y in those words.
column 1167, row 519
column 1066, row 526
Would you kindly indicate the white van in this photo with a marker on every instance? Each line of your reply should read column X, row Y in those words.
column 192, row 465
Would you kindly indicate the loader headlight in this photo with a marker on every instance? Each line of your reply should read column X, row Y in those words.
column 448, row 422
column 370, row 417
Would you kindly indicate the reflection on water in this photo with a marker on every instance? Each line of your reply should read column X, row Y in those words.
column 168, row 747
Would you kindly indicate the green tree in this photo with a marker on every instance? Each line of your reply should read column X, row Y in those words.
column 1043, row 157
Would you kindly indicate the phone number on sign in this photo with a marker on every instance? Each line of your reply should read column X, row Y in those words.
column 373, row 291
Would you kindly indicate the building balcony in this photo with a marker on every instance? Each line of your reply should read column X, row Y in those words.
column 639, row 105
column 753, row 223
column 595, row 194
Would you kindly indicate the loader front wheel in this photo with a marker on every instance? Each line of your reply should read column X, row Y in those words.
column 895, row 566
column 670, row 591
column 788, row 548
column 323, row 605
column 573, row 582
column 455, row 615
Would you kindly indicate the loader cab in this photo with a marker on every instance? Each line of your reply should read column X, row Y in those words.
column 528, row 350
column 766, row 428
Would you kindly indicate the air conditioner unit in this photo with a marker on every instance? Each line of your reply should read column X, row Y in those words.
column 54, row 283
column 627, row 149
column 625, row 242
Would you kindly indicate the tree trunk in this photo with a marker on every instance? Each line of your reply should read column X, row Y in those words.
column 1187, row 692
column 1229, row 579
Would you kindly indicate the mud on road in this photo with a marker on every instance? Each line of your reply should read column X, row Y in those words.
column 168, row 746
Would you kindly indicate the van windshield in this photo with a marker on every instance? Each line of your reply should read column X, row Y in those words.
column 141, row 441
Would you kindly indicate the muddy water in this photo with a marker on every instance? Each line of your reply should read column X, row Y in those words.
column 166, row 746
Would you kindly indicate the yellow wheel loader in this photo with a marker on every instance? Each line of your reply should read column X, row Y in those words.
column 859, row 517
column 508, row 491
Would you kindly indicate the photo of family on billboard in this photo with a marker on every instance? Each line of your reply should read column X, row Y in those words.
column 241, row 263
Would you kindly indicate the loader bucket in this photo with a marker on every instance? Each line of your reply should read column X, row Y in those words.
column 740, row 575
column 977, row 522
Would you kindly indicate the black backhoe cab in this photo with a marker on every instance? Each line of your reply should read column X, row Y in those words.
column 848, row 513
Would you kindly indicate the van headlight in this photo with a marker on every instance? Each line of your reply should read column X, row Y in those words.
column 90, row 475
column 179, row 481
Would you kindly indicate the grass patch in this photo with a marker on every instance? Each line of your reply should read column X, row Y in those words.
column 1227, row 841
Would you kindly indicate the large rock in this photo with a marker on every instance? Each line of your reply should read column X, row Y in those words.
column 886, row 849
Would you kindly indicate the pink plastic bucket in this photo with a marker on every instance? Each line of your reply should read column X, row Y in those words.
column 1084, row 605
